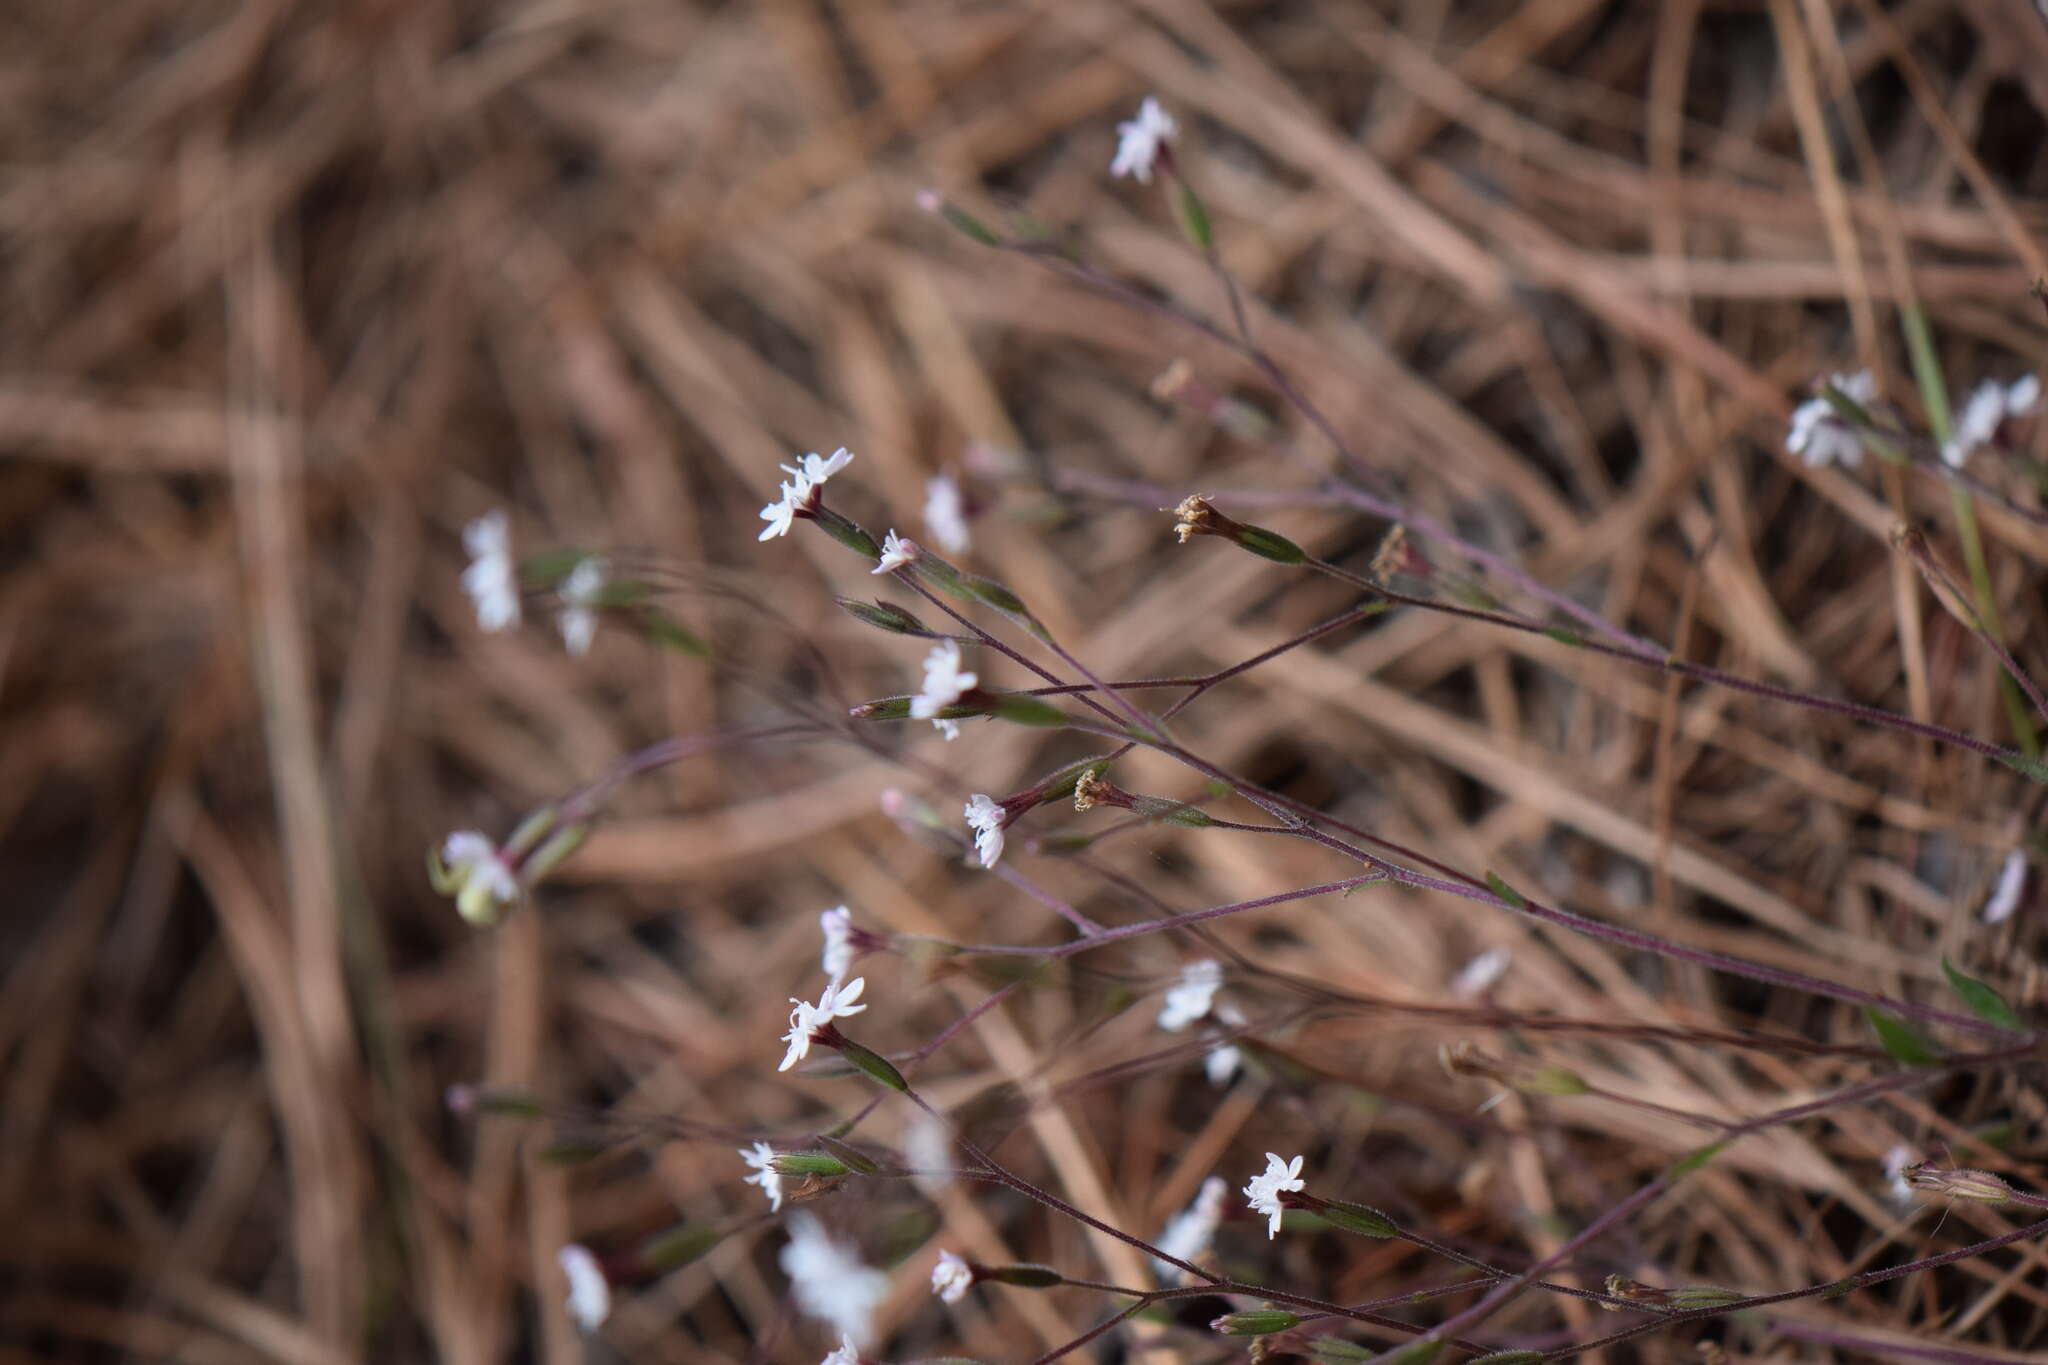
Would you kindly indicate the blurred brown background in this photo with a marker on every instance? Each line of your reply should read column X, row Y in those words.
column 292, row 291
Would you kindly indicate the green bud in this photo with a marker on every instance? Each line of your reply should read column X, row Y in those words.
column 1194, row 218
column 1255, row 1322
column 1337, row 1351
column 847, row 533
column 884, row 616
column 530, row 832
column 555, row 851
column 511, row 1104
column 873, row 1064
column 661, row 630
column 1022, row 709
column 1270, row 545
column 1550, row 1080
column 855, row 1159
column 808, row 1163
column 993, row 594
column 1358, row 1218
column 1703, row 1296
column 1415, row 1353
column 571, row 1152
column 1023, row 1276
column 1507, row 1358
column 678, row 1246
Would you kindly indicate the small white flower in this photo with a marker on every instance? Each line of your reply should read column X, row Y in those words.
column 985, row 818
column 590, row 1293
column 837, row 926
column 951, row 1278
column 945, row 513
column 944, row 683
column 1990, row 406
column 1222, row 1062
column 2012, row 884
column 929, row 1146
column 1138, row 142
column 896, row 552
column 1819, row 436
column 762, row 1158
column 781, row 514
column 579, row 591
column 1190, row 997
column 831, row 1282
column 1264, row 1190
column 477, row 876
column 835, row 1003
column 847, row 1354
column 491, row 580
column 949, row 728
column 1189, row 1233
column 1478, row 976
column 815, row 470
column 1895, row 1163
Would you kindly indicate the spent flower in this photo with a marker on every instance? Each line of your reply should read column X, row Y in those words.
column 1264, row 1189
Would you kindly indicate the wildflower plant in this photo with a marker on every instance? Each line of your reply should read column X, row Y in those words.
column 1218, row 1007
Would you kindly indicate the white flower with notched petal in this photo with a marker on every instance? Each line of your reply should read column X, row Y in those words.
column 491, row 580
column 1192, row 1229
column 1265, row 1188
column 1990, row 406
column 476, row 874
column 781, row 514
column 590, row 1293
column 580, row 592
column 1139, row 142
column 945, row 513
column 1190, row 997
column 896, row 552
column 836, row 925
column 830, row 1282
column 944, row 681
column 815, row 469
column 762, row 1158
column 951, row 1278
column 985, row 818
column 805, row 1019
column 1818, row 434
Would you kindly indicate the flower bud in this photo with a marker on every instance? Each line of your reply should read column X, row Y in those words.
column 1255, row 1322
column 1023, row 1276
column 1979, row 1187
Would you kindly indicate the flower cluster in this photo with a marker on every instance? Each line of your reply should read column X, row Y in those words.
column 1263, row 1191
column 806, row 1020
column 799, row 494
column 1142, row 142
column 1819, row 434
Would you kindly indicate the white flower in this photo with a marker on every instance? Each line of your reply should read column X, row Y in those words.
column 762, row 1158
column 814, row 470
column 835, row 1003
column 1222, row 1062
column 781, row 514
column 1138, row 142
column 1264, row 1190
column 590, row 1293
column 949, row 728
column 929, row 1146
column 945, row 513
column 1895, row 1163
column 1991, row 404
column 1189, row 1233
column 1818, row 435
column 831, row 1282
column 1478, row 976
column 944, row 683
column 491, row 580
column 847, row 1354
column 837, row 926
column 579, row 591
column 951, row 1278
column 1190, row 998
column 985, row 818
column 2012, row 884
column 896, row 552
column 475, row 873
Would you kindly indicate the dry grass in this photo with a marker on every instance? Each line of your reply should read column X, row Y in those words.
column 294, row 290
